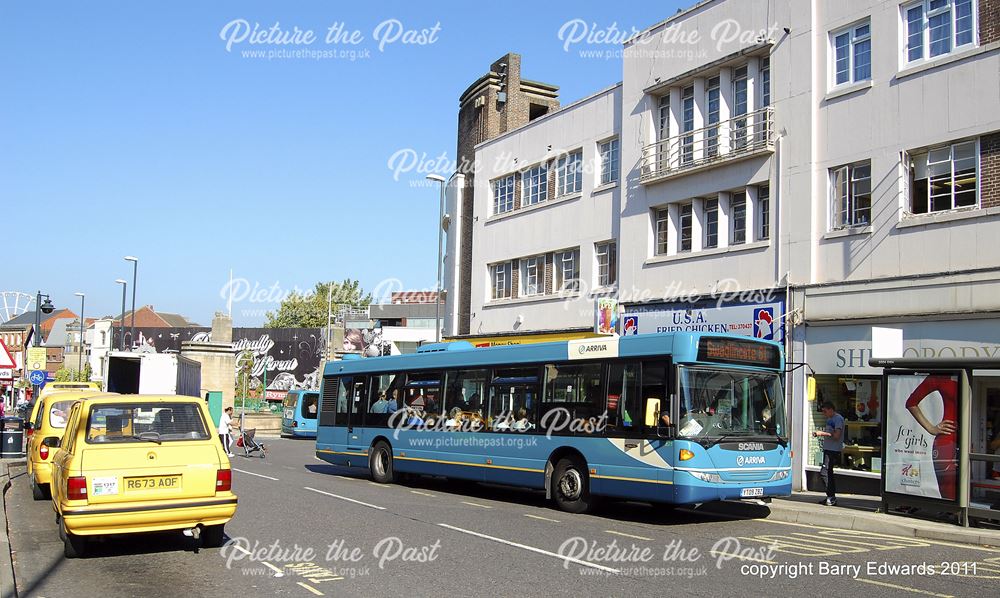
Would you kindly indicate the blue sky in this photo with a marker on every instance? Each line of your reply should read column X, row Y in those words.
column 127, row 128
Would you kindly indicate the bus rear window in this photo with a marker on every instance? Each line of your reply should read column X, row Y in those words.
column 310, row 405
column 138, row 422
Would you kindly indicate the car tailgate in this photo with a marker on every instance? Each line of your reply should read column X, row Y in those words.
column 139, row 471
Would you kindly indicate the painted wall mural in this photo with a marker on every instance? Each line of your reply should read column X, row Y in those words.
column 292, row 358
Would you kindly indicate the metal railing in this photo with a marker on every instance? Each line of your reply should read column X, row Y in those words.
column 733, row 139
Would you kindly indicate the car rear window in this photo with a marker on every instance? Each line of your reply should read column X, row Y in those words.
column 59, row 413
column 142, row 422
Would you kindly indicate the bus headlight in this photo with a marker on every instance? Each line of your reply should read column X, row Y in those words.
column 779, row 475
column 711, row 478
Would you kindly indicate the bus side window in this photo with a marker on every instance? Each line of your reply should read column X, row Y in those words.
column 623, row 405
column 310, row 405
column 357, row 405
column 574, row 392
column 380, row 401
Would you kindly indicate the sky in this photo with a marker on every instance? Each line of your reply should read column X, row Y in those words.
column 148, row 129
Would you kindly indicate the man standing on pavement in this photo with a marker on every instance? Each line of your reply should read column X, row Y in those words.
column 225, row 426
column 833, row 445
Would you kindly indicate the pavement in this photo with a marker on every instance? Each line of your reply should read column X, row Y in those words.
column 306, row 528
column 7, row 585
column 855, row 512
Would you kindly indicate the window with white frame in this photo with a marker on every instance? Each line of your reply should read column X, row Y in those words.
column 686, row 226
column 936, row 27
column 534, row 185
column 663, row 117
column 662, row 229
column 711, row 223
column 712, row 101
column 739, row 108
column 765, row 81
column 687, row 124
column 944, row 178
column 532, row 275
column 851, row 195
column 738, row 218
column 607, row 263
column 852, row 53
column 608, row 151
column 567, row 270
column 569, row 174
column 763, row 212
column 500, row 280
column 503, row 194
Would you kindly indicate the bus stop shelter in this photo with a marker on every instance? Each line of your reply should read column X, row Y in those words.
column 941, row 438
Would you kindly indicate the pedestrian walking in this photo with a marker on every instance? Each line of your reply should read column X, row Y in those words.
column 833, row 446
column 225, row 430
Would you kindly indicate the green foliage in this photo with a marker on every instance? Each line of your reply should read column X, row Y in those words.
column 72, row 375
column 309, row 310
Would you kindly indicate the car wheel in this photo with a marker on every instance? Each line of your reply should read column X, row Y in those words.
column 213, row 536
column 37, row 491
column 380, row 463
column 571, row 486
column 74, row 546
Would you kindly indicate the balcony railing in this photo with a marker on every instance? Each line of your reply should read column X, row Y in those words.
column 734, row 139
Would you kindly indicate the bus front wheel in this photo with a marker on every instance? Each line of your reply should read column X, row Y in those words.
column 571, row 486
column 380, row 463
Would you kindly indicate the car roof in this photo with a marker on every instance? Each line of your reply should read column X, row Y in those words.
column 74, row 395
column 113, row 398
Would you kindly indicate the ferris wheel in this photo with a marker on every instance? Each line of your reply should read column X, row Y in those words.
column 13, row 304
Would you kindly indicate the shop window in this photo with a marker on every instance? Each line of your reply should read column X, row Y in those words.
column 859, row 400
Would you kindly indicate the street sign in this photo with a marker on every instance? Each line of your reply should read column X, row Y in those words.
column 37, row 377
column 36, row 358
column 6, row 374
column 6, row 361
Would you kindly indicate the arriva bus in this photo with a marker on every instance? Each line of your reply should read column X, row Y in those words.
column 299, row 413
column 667, row 418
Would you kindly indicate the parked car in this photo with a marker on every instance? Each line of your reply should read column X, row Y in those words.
column 141, row 463
column 48, row 427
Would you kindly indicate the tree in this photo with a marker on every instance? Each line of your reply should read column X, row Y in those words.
column 309, row 310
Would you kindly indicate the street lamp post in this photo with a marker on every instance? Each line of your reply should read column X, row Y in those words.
column 121, row 324
column 135, row 273
column 40, row 307
column 79, row 361
column 437, row 285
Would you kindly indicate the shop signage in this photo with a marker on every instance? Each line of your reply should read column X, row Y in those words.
column 758, row 320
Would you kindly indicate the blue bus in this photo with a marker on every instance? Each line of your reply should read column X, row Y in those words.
column 676, row 418
column 299, row 413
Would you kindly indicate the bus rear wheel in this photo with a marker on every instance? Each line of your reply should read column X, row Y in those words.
column 571, row 486
column 380, row 463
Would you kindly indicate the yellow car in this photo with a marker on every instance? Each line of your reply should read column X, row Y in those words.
column 140, row 463
column 53, row 387
column 51, row 414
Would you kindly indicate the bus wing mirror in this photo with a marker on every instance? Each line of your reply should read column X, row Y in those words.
column 652, row 413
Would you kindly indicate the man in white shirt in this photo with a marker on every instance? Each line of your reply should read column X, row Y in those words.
column 225, row 427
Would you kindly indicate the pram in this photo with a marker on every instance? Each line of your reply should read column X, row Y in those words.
column 250, row 445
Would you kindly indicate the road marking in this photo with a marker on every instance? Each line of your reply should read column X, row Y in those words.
column 345, row 477
column 378, row 485
column 475, row 504
column 259, row 475
column 277, row 572
column 904, row 588
column 628, row 535
column 864, row 534
column 240, row 548
column 718, row 553
column 422, row 493
column 542, row 518
column 310, row 588
column 357, row 502
column 565, row 559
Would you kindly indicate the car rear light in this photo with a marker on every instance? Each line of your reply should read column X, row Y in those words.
column 224, row 480
column 43, row 451
column 76, row 488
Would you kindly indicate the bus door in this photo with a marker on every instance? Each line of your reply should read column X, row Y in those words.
column 657, row 421
column 356, row 415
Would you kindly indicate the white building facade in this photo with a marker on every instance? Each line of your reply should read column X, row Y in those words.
column 800, row 171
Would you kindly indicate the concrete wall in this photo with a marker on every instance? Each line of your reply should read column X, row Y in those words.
column 573, row 221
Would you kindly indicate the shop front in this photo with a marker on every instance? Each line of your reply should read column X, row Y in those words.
column 838, row 356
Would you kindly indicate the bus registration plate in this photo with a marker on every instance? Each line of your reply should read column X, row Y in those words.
column 751, row 492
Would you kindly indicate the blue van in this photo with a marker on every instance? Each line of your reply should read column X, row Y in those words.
column 299, row 411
